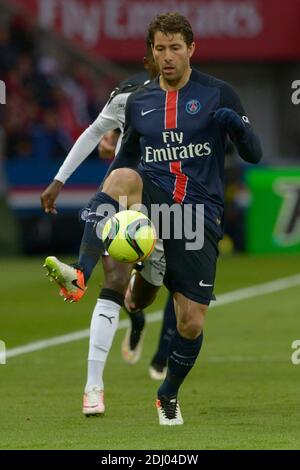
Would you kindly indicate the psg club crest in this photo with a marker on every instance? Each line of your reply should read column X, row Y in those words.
column 193, row 107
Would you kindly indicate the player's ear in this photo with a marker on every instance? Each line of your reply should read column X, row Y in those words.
column 146, row 63
column 191, row 49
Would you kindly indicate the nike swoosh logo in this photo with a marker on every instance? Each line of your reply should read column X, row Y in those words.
column 143, row 113
column 74, row 282
column 201, row 284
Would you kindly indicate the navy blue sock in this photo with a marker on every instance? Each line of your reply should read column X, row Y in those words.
column 92, row 247
column 183, row 355
column 137, row 320
column 167, row 331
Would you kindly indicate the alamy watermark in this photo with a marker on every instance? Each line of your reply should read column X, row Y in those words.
column 296, row 93
column 295, row 358
column 2, row 92
column 178, row 221
column 2, row 353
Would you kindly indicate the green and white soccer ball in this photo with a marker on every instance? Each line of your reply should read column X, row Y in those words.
column 129, row 236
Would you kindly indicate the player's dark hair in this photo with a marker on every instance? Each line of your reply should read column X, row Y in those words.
column 171, row 23
column 148, row 46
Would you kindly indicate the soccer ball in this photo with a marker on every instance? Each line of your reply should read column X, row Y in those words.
column 129, row 236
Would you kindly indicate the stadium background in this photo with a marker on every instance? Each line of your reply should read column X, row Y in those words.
column 59, row 61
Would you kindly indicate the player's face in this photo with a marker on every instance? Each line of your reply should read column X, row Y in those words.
column 172, row 56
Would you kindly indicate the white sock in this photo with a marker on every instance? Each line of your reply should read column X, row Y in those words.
column 104, row 324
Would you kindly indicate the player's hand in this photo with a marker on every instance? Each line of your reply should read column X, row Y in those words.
column 107, row 145
column 231, row 121
column 49, row 196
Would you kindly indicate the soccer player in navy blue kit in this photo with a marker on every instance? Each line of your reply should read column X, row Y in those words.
column 173, row 152
column 191, row 114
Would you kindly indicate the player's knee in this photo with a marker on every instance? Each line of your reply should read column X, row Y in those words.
column 142, row 302
column 124, row 179
column 142, row 293
column 191, row 325
column 190, row 330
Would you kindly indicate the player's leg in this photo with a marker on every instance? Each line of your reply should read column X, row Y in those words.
column 122, row 182
column 158, row 365
column 192, row 292
column 139, row 295
column 184, row 350
column 142, row 290
column 106, row 313
column 73, row 279
column 104, row 324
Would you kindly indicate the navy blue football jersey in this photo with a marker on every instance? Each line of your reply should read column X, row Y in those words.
column 175, row 140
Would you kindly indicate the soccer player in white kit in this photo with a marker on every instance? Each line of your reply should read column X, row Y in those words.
column 144, row 284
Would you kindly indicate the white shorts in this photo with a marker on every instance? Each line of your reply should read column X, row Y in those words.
column 154, row 267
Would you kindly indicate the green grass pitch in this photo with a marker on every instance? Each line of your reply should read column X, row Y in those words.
column 242, row 394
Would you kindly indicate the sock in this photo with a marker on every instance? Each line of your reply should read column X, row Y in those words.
column 183, row 355
column 137, row 325
column 92, row 247
column 94, row 375
column 137, row 319
column 167, row 331
column 104, row 324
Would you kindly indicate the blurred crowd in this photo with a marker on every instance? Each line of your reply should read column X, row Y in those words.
column 50, row 102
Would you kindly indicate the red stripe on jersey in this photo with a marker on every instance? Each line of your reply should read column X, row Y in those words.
column 171, row 109
column 180, row 182
column 175, row 167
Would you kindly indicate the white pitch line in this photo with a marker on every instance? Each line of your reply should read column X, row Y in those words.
column 257, row 290
column 69, row 338
column 223, row 299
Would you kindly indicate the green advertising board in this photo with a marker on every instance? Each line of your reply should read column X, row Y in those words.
column 273, row 217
